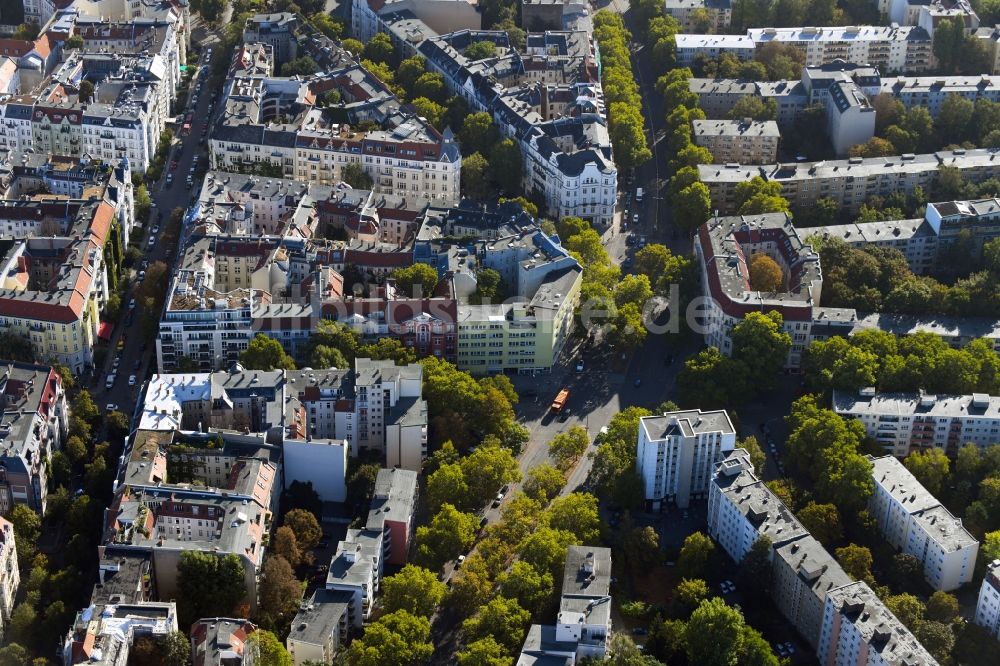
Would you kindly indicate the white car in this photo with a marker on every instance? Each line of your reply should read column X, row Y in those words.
column 155, row 230
column 152, row 241
column 579, row 366
column 131, row 380
column 111, row 407
column 459, row 561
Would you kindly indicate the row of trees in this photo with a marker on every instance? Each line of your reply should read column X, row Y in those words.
column 774, row 61
column 791, row 13
column 625, row 121
column 690, row 198
column 922, row 361
column 959, row 122
column 879, row 279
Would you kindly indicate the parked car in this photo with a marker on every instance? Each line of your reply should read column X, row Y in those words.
column 498, row 500
column 111, row 407
column 579, row 366
column 460, row 561
column 131, row 380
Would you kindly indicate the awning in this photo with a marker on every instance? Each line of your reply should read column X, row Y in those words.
column 105, row 330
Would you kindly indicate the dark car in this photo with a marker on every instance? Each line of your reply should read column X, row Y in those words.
column 640, row 631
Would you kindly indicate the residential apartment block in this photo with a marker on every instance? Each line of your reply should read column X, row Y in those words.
column 104, row 635
column 914, row 522
column 274, row 121
column 10, row 575
column 583, row 625
column 903, row 422
column 719, row 13
column 849, row 182
column 988, row 603
column 159, row 511
column 744, row 141
column 676, row 454
column 891, row 49
column 716, row 97
column 320, row 627
column 858, row 630
column 742, row 508
column 393, row 506
column 724, row 248
column 35, row 426
column 219, row 641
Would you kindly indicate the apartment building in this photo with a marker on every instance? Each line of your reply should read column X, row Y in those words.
column 803, row 573
column 931, row 92
column 550, row 102
column 219, row 641
column 583, row 625
column 929, row 14
column 276, row 31
column 988, row 603
column 741, row 508
column 356, row 568
column 902, row 422
column 526, row 336
column 104, row 635
column 218, row 501
column 394, row 501
column 977, row 220
column 990, row 38
column 692, row 47
column 716, row 97
column 890, row 49
column 915, row 239
column 676, row 454
column 744, row 141
column 914, row 522
column 719, row 13
column 10, row 575
column 859, row 630
column 275, row 121
column 724, row 248
column 849, row 182
column 319, row 628
column 439, row 16
column 35, row 426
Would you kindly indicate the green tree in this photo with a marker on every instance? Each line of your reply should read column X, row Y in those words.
column 568, row 447
column 353, row 46
column 712, row 380
column 502, row 618
column 476, row 177
column 414, row 589
column 378, row 49
column 306, row 528
column 856, row 561
column 907, row 608
column 354, row 175
column 478, row 133
column 208, row 585
column 480, row 50
column 715, row 634
column 303, row 66
column 408, row 72
column 484, row 652
column 264, row 353
column 930, row 467
column 761, row 344
column 942, row 607
column 543, row 483
column 641, row 547
column 531, row 587
column 822, row 521
column 937, row 638
column 489, row 468
column 949, row 40
column 545, row 549
column 267, row 648
column 395, row 639
column 430, row 85
column 431, row 111
column 874, row 147
column 575, row 513
column 285, row 544
column 756, row 108
column 507, row 166
column 695, row 555
column 449, row 534
column 766, row 274
column 693, row 206
column 689, row 594
column 447, row 485
column 280, row 592
column 408, row 278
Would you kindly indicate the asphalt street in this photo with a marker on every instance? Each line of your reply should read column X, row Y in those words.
column 136, row 349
